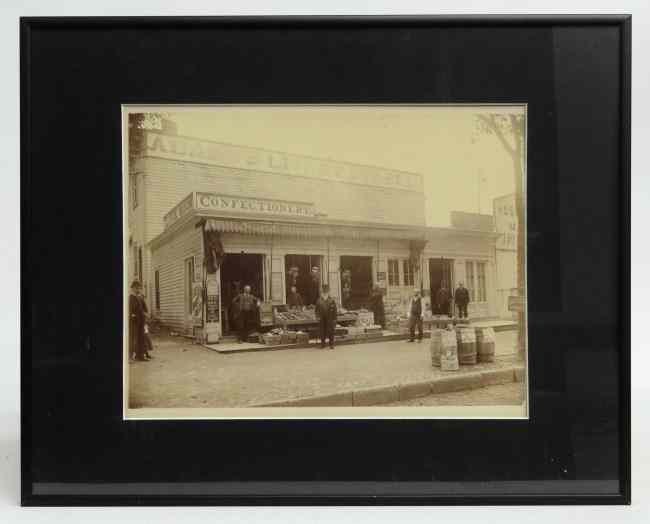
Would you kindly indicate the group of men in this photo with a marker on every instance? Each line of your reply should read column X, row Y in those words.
column 415, row 311
column 246, row 305
column 461, row 299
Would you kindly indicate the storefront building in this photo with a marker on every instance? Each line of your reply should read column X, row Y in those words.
column 285, row 220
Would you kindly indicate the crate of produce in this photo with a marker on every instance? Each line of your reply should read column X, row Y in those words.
column 291, row 336
column 365, row 318
column 302, row 338
column 355, row 330
column 340, row 331
column 271, row 340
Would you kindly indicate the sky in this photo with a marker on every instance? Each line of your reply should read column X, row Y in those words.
column 461, row 169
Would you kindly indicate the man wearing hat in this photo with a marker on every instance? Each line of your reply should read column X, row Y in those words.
column 461, row 298
column 246, row 304
column 137, row 318
column 326, row 313
column 415, row 315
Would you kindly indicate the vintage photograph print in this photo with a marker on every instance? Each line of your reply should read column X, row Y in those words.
column 325, row 261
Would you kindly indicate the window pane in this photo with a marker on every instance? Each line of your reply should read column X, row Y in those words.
column 482, row 292
column 408, row 273
column 157, row 284
column 469, row 270
column 393, row 273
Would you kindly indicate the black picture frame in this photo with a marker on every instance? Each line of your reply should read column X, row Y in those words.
column 76, row 73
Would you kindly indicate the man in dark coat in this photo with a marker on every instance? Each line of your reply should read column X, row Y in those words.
column 377, row 306
column 326, row 313
column 415, row 316
column 247, row 305
column 461, row 297
column 442, row 300
column 137, row 319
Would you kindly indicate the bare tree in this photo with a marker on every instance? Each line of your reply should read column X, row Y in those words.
column 509, row 129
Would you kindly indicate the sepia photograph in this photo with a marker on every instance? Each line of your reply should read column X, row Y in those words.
column 324, row 261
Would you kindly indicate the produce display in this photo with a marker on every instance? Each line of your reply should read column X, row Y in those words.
column 282, row 317
column 308, row 316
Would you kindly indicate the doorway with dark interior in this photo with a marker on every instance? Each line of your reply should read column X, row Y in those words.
column 441, row 272
column 299, row 274
column 239, row 270
column 356, row 281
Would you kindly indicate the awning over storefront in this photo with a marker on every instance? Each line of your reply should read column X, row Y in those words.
column 248, row 227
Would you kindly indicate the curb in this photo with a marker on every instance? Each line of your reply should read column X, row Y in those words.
column 377, row 396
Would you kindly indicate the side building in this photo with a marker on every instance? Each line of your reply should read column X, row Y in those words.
column 506, row 225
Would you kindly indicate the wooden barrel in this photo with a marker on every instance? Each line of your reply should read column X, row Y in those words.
column 466, row 337
column 485, row 343
column 448, row 351
column 436, row 346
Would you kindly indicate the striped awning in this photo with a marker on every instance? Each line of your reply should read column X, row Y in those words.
column 311, row 230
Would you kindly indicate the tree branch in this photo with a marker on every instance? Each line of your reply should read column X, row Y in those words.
column 492, row 125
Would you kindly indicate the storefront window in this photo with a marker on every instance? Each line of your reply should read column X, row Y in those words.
column 469, row 272
column 476, row 280
column 409, row 278
column 157, row 288
column 480, row 282
column 393, row 272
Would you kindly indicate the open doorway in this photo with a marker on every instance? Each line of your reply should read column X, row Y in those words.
column 440, row 273
column 356, row 281
column 301, row 274
column 239, row 270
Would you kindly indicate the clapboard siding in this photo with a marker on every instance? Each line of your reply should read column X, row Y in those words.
column 169, row 260
column 169, row 181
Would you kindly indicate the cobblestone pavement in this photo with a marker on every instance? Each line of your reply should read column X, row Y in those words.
column 186, row 375
column 501, row 395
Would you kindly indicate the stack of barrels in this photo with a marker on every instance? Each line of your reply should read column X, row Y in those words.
column 485, row 343
column 465, row 345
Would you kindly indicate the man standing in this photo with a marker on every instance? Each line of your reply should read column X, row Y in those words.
column 461, row 297
column 295, row 300
column 314, row 286
column 137, row 318
column 246, row 304
column 442, row 300
column 377, row 306
column 326, row 313
column 415, row 315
